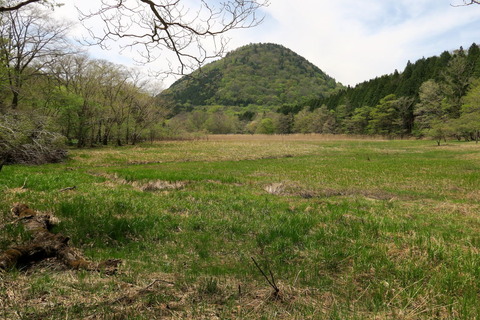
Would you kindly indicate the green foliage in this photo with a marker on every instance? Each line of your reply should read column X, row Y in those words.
column 385, row 117
column 439, row 131
column 430, row 107
column 358, row 122
column 467, row 126
column 264, row 74
column 266, row 126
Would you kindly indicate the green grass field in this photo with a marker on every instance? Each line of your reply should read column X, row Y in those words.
column 350, row 229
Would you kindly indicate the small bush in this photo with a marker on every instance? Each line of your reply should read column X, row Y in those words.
column 28, row 140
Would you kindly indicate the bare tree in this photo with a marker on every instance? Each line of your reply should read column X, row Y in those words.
column 30, row 41
column 192, row 35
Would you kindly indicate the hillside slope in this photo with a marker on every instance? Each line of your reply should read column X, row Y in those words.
column 262, row 74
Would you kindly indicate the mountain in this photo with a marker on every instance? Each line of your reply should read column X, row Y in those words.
column 260, row 74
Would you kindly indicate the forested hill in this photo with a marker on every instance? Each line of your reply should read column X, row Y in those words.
column 429, row 97
column 261, row 74
column 453, row 70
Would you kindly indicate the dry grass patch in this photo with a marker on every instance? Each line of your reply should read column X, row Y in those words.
column 53, row 295
column 292, row 137
column 464, row 209
column 295, row 189
column 147, row 186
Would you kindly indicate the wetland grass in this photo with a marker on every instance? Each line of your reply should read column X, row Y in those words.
column 351, row 229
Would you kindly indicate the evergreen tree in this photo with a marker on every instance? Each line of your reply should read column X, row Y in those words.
column 359, row 121
column 385, row 117
column 456, row 79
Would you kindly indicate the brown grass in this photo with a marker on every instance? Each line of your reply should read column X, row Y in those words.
column 292, row 137
column 154, row 185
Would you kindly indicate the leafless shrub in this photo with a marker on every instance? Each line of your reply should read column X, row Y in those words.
column 28, row 141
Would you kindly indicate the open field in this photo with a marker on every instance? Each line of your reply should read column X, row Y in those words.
column 350, row 229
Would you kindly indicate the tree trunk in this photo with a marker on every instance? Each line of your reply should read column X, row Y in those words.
column 46, row 245
column 15, row 100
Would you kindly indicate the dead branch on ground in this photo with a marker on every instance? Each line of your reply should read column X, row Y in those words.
column 270, row 281
column 46, row 245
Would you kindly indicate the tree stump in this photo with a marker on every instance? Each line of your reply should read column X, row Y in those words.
column 47, row 245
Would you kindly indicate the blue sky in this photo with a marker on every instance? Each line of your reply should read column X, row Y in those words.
column 350, row 40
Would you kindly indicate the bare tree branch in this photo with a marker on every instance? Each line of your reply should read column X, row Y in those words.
column 16, row 6
column 155, row 27
column 466, row 3
column 159, row 28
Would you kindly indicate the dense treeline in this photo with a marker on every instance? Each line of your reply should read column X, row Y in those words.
column 428, row 98
column 433, row 97
column 50, row 92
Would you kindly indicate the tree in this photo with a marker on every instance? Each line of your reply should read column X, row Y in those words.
column 30, row 41
column 27, row 139
column 405, row 106
column 193, row 34
column 221, row 123
column 266, row 126
column 145, row 114
column 358, row 123
column 302, row 121
column 431, row 107
column 196, row 120
column 284, row 123
column 385, row 118
column 456, row 79
column 439, row 131
column 468, row 124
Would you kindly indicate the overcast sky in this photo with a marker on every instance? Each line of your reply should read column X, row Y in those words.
column 350, row 40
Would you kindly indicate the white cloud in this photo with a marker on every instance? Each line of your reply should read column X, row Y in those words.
column 355, row 41
column 350, row 40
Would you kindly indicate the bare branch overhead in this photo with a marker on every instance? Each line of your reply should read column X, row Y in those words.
column 467, row 3
column 12, row 6
column 153, row 27
column 190, row 33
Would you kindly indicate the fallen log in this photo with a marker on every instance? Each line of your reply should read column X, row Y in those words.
column 47, row 245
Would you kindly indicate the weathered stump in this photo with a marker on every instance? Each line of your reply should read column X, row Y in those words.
column 47, row 245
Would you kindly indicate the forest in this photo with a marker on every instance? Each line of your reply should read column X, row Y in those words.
column 433, row 97
column 53, row 95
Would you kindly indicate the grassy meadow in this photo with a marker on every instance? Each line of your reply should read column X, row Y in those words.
column 347, row 228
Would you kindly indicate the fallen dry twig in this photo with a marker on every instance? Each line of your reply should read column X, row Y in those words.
column 271, row 281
